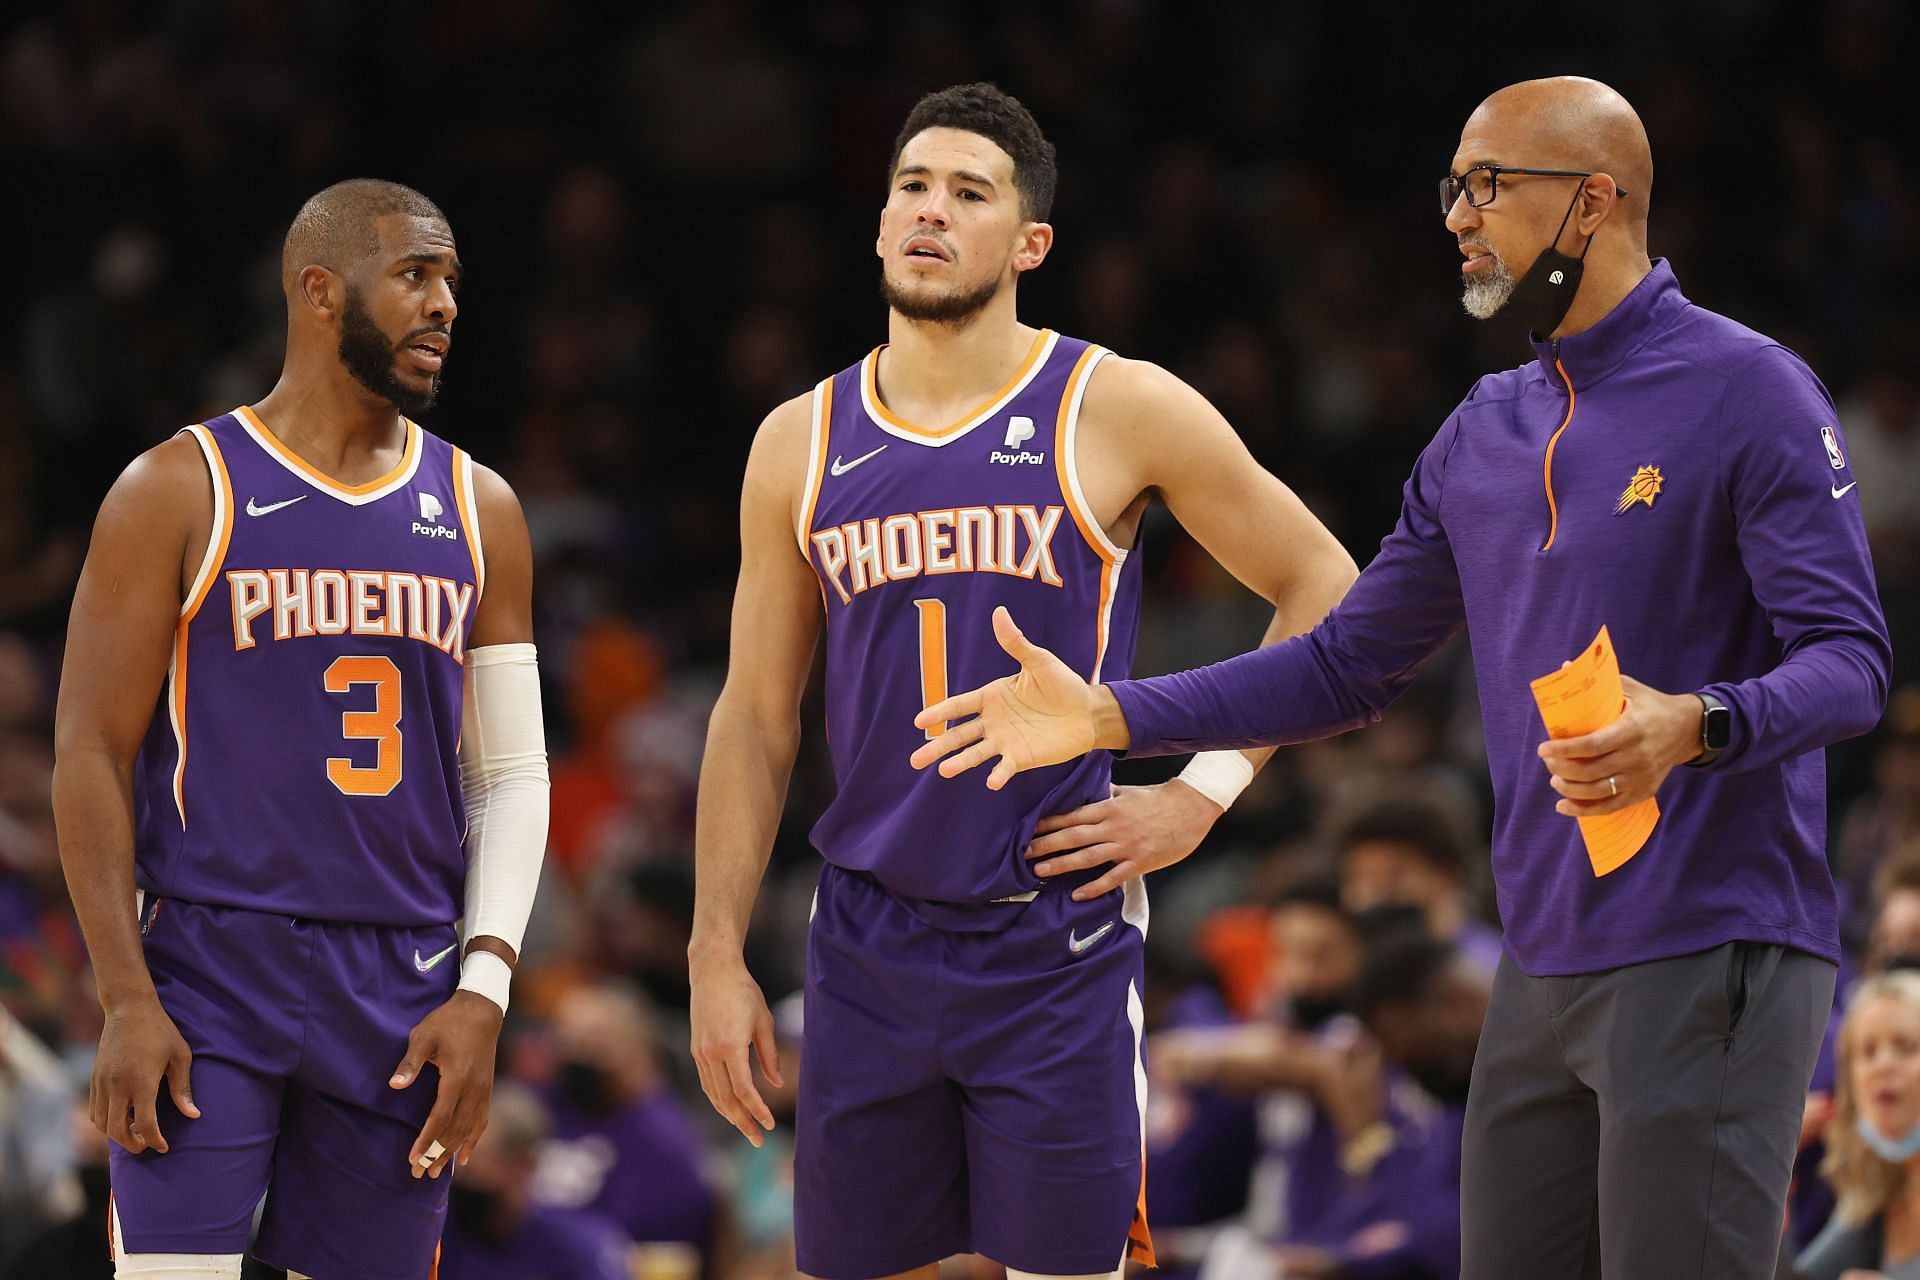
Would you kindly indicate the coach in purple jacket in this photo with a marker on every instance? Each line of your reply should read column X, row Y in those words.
column 1683, row 480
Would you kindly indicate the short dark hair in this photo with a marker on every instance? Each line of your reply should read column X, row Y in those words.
column 1001, row 119
column 1314, row 888
column 1417, row 824
column 336, row 226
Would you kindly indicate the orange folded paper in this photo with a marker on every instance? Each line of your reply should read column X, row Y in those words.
column 1579, row 698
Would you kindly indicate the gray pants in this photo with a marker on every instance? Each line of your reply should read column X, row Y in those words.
column 1640, row 1123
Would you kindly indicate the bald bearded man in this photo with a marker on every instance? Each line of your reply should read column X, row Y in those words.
column 1681, row 479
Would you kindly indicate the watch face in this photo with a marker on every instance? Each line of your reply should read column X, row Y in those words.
column 1717, row 729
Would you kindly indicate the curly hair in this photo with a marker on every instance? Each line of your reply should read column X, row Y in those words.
column 1864, row 1183
column 1001, row 119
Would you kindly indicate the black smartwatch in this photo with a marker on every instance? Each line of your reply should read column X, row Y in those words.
column 1716, row 729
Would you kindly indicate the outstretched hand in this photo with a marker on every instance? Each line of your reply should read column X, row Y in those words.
column 1041, row 715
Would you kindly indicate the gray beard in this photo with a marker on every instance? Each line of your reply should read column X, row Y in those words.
column 1484, row 293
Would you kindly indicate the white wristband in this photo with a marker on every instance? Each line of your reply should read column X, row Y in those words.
column 486, row 974
column 1220, row 776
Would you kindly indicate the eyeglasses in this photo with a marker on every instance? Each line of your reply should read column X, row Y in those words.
column 1481, row 183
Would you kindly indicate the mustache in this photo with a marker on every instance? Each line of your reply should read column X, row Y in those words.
column 439, row 329
column 934, row 236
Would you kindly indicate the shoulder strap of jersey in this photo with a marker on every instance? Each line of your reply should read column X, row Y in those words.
column 819, row 431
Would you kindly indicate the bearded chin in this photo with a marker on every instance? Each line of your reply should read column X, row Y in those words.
column 953, row 309
column 368, row 355
column 1484, row 293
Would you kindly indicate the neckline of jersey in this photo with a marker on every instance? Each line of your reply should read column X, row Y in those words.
column 353, row 493
column 891, row 422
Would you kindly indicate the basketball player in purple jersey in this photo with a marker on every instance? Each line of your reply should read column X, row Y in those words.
column 973, row 1078
column 299, row 674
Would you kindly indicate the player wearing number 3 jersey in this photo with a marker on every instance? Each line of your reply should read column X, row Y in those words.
column 973, row 1079
column 299, row 739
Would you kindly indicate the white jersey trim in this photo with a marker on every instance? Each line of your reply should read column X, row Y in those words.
column 816, row 448
column 398, row 480
column 470, row 514
column 878, row 414
column 1095, row 533
column 222, row 516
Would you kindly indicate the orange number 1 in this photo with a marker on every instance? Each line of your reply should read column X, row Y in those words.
column 381, row 725
column 933, row 657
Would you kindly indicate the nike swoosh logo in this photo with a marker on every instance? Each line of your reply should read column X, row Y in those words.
column 255, row 509
column 840, row 468
column 1841, row 493
column 1077, row 945
column 426, row 966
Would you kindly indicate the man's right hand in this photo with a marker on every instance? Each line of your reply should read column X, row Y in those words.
column 139, row 1047
column 1042, row 715
column 729, row 1013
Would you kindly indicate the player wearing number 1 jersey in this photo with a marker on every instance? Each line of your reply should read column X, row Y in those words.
column 973, row 1079
column 299, row 741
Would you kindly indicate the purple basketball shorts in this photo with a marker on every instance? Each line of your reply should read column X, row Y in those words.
column 970, row 1091
column 295, row 1027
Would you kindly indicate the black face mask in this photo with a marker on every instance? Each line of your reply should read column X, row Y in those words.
column 1310, row 1013
column 1544, row 294
column 587, row 1087
column 1440, row 1079
column 479, row 1212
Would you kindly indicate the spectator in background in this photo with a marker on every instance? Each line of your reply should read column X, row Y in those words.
column 1395, row 1215
column 497, row 1231
column 1873, row 1139
column 1316, row 957
column 36, row 1141
column 1886, row 820
column 1410, row 851
column 1317, row 953
column 1206, row 1112
column 1883, row 427
column 1894, row 940
column 622, row 1145
column 70, row 1248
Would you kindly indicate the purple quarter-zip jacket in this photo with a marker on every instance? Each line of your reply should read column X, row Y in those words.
column 1683, row 480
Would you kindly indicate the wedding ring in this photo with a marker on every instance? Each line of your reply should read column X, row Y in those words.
column 1612, row 782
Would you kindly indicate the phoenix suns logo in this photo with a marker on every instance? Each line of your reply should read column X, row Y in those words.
column 1644, row 487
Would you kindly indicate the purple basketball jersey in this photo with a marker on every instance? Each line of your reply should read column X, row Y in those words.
column 916, row 534
column 303, row 760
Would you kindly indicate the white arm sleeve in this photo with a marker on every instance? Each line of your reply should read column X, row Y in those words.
column 503, row 775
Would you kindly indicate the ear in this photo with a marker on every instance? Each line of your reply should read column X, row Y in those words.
column 321, row 293
column 1030, row 250
column 1598, row 196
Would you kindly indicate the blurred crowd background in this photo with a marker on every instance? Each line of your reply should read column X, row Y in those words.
column 667, row 211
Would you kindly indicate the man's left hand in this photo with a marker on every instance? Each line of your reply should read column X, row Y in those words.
column 1626, row 761
column 460, row 1039
column 1136, row 830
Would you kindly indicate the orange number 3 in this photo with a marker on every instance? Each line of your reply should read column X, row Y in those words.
column 381, row 725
